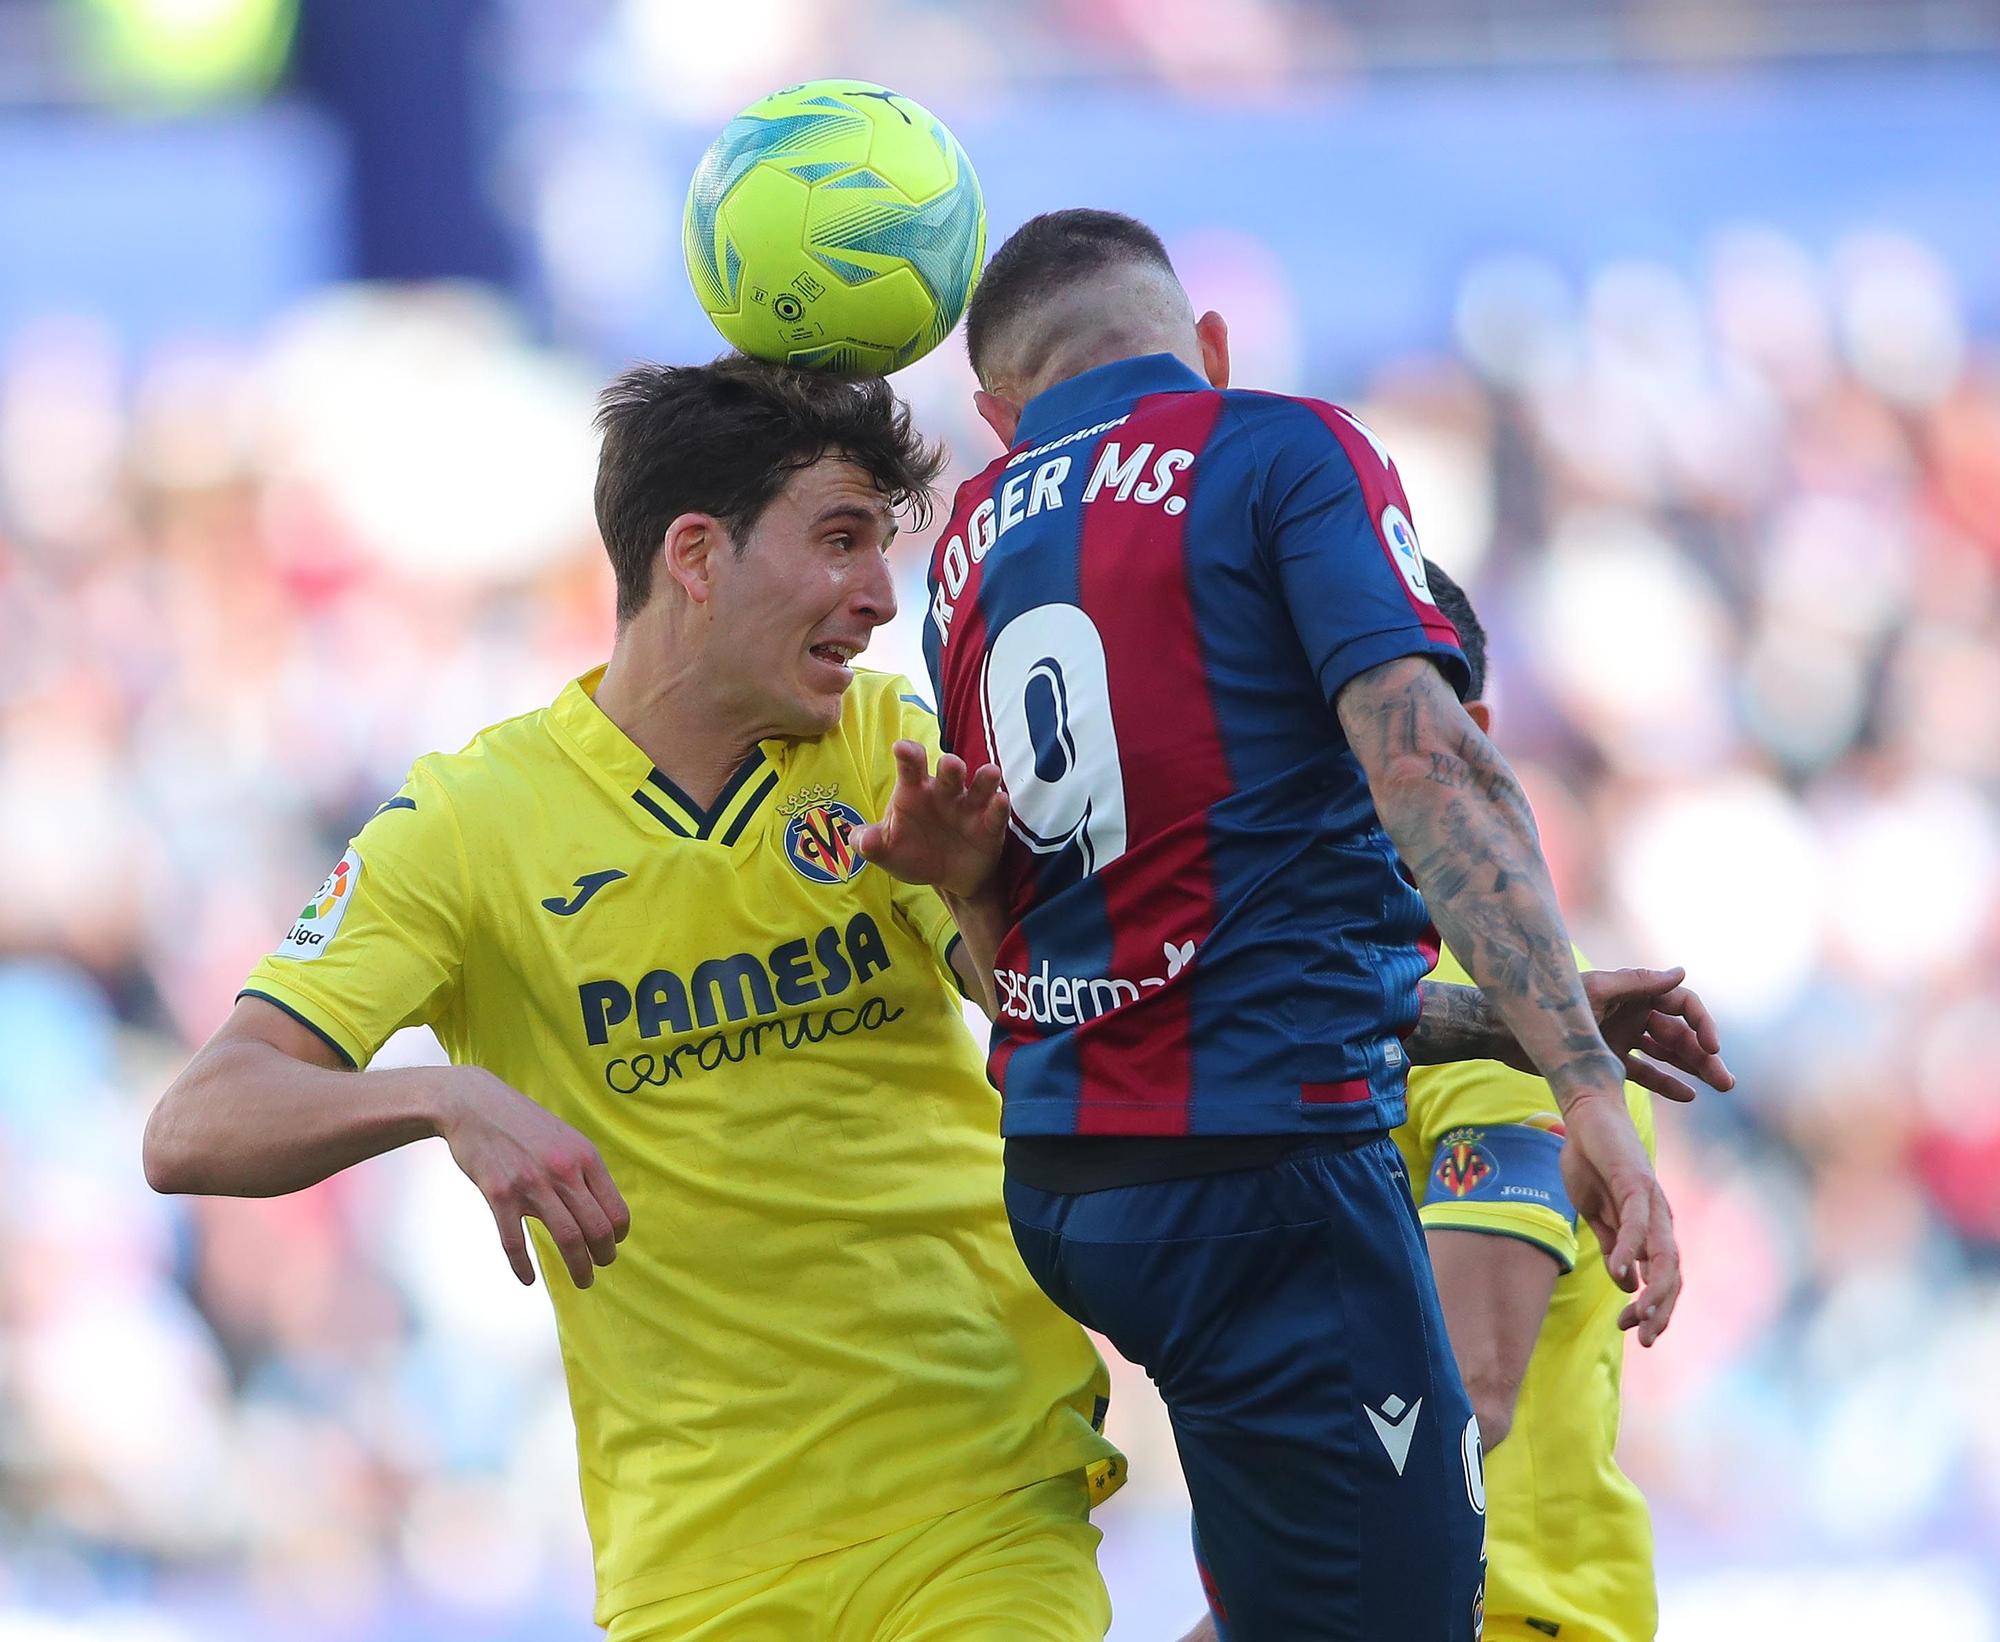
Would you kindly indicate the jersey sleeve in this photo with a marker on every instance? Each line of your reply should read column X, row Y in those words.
column 1336, row 525
column 1489, row 1142
column 379, row 946
column 920, row 907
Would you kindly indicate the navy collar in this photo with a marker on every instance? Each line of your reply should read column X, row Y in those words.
column 1107, row 389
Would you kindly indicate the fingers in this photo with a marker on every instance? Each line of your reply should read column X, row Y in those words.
column 598, row 1178
column 1685, row 1002
column 913, row 763
column 1658, row 1079
column 1608, row 987
column 1670, row 1038
column 1650, row 1313
column 549, row 1208
column 1634, row 1211
column 515, row 1241
column 593, row 1225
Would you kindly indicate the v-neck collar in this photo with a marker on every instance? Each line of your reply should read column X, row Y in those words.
column 615, row 757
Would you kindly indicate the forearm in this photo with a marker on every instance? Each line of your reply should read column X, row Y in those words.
column 246, row 1120
column 982, row 925
column 1462, row 824
column 1455, row 1023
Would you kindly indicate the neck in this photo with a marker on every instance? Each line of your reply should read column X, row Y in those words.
column 1109, row 350
column 669, row 706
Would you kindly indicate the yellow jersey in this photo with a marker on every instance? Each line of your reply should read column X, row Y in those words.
column 1569, row 1543
column 818, row 1330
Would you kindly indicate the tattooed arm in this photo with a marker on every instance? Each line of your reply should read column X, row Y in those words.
column 1461, row 822
column 1641, row 1013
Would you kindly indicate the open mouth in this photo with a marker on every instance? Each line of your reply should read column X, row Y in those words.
column 838, row 654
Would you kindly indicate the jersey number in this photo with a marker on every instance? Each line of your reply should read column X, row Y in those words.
column 1046, row 696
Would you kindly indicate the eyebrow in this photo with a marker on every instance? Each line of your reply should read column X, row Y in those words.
column 863, row 515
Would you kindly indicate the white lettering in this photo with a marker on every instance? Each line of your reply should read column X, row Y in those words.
column 941, row 612
column 1066, row 1000
column 1048, row 485
column 979, row 530
column 1021, row 458
column 1162, row 481
column 1113, row 468
column 1013, row 502
column 952, row 564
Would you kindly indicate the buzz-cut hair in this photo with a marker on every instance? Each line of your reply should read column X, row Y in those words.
column 1449, row 597
column 1041, row 257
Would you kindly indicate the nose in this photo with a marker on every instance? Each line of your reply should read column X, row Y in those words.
column 875, row 592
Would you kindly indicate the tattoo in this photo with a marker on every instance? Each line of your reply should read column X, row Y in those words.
column 1462, row 823
column 1455, row 1023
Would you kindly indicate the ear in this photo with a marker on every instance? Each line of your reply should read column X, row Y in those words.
column 1212, row 332
column 688, row 552
column 1003, row 416
column 1480, row 714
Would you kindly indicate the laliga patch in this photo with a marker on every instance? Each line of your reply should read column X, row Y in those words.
column 819, row 837
column 1401, row 536
column 320, row 917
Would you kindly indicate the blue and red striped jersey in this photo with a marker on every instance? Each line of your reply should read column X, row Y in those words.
column 1142, row 613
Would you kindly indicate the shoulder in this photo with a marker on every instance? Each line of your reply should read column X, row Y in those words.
column 494, row 764
column 876, row 698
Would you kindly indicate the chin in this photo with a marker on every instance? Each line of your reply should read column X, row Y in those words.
column 812, row 715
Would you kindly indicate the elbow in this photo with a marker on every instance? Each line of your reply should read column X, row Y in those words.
column 1496, row 1419
column 164, row 1156
column 1493, row 1405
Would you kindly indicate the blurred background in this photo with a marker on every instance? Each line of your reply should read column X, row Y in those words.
column 1683, row 320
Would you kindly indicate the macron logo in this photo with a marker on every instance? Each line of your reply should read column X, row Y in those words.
column 1396, row 1424
column 586, row 886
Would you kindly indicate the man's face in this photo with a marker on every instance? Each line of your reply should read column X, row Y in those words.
column 803, row 597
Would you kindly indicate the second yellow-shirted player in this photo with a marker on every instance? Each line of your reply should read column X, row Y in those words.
column 1569, row 1545
column 817, row 1395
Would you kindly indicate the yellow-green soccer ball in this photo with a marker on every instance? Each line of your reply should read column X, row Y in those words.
column 837, row 226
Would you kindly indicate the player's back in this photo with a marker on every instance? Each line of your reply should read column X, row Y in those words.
column 1569, row 1541
column 1142, row 614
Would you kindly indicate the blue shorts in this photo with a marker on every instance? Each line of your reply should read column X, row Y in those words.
column 1288, row 1315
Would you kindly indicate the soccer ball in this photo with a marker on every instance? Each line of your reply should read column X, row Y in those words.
column 836, row 226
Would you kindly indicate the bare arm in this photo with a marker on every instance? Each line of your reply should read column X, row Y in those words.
column 266, row 1107
column 1495, row 1291
column 1459, row 819
column 982, row 923
column 1641, row 1012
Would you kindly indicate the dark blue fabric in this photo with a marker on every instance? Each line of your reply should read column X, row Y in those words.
column 1307, row 976
column 1275, row 1308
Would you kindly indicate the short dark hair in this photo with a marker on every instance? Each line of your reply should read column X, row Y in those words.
column 1044, row 254
column 725, row 438
column 1449, row 597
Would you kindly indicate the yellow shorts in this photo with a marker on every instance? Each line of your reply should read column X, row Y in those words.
column 1019, row 1568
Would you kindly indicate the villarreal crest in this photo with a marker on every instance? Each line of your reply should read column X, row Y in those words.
column 1463, row 1164
column 819, row 837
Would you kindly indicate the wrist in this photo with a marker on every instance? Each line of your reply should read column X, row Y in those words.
column 442, row 1097
column 1587, row 1077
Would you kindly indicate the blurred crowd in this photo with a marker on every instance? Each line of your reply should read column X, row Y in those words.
column 1735, row 533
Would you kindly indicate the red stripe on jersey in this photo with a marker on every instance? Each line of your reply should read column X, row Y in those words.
column 961, row 651
column 1335, row 1094
column 1134, row 587
column 1382, row 489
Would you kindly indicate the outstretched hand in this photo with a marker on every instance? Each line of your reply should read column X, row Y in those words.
column 1650, row 1013
column 942, row 829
